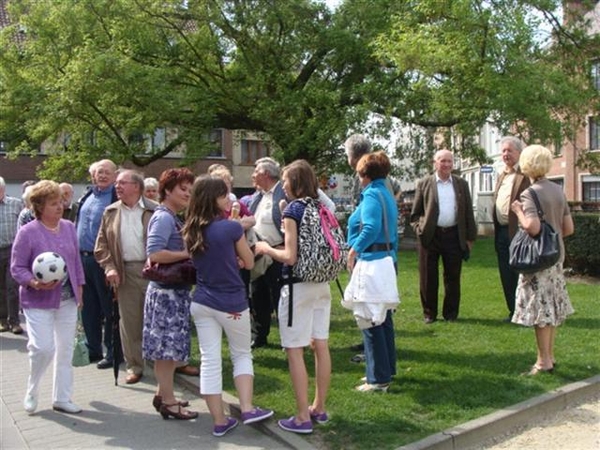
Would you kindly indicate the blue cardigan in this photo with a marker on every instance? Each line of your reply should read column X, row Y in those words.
column 369, row 212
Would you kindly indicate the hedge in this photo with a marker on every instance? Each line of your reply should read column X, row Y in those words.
column 582, row 248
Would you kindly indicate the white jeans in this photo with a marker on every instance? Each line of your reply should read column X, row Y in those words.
column 210, row 325
column 51, row 336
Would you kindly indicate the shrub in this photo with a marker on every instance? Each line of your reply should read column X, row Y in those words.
column 581, row 248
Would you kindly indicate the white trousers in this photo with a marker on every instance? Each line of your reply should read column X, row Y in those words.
column 51, row 337
column 210, row 325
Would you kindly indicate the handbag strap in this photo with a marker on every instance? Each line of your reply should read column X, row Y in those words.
column 536, row 200
column 385, row 225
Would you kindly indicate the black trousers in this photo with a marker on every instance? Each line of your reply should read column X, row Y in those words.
column 508, row 277
column 265, row 299
column 445, row 245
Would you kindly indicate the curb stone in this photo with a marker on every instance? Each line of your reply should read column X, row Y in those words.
column 502, row 421
column 268, row 427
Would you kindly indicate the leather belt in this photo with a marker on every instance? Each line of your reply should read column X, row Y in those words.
column 378, row 248
column 446, row 229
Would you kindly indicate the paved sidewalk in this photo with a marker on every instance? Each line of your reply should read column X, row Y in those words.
column 115, row 417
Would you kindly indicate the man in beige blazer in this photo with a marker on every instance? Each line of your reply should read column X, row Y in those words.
column 443, row 220
column 509, row 186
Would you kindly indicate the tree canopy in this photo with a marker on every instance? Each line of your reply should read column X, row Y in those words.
column 89, row 77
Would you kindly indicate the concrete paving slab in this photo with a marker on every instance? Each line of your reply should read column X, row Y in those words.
column 115, row 417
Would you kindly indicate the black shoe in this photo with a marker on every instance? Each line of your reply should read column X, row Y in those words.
column 358, row 347
column 95, row 358
column 104, row 364
column 257, row 343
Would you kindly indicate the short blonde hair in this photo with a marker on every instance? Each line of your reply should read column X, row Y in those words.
column 41, row 192
column 535, row 161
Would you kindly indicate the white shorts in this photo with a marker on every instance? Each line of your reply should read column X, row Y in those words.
column 311, row 311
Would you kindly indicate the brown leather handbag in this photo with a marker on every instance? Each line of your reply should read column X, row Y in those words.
column 180, row 272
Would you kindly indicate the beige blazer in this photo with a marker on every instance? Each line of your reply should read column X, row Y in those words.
column 107, row 250
column 521, row 183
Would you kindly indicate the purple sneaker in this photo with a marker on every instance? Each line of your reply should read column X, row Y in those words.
column 291, row 425
column 256, row 415
column 319, row 418
column 221, row 430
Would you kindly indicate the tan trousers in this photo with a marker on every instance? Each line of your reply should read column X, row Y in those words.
column 131, row 308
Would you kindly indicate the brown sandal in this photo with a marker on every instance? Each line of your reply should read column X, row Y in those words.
column 536, row 370
column 165, row 412
column 157, row 401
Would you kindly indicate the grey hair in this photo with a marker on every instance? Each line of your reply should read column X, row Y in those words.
column 269, row 166
column 515, row 142
column 151, row 182
column 2, row 182
column 136, row 177
column 356, row 146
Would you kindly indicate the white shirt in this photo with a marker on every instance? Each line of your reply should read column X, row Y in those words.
column 446, row 202
column 503, row 198
column 132, row 232
column 265, row 227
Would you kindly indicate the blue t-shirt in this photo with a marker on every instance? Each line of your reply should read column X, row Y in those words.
column 218, row 282
column 294, row 210
column 164, row 233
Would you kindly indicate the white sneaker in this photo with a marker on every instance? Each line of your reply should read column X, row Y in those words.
column 30, row 403
column 66, row 407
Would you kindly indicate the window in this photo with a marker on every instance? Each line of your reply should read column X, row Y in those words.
column 559, row 181
column 594, row 126
column 216, row 138
column 591, row 188
column 253, row 150
column 596, row 74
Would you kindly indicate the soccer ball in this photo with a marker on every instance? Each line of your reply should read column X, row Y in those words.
column 48, row 267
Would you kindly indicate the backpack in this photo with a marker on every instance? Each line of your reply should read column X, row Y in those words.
column 322, row 249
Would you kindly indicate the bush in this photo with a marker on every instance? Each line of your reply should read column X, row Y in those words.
column 581, row 248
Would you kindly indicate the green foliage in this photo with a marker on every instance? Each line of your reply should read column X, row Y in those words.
column 89, row 77
column 581, row 248
column 448, row 373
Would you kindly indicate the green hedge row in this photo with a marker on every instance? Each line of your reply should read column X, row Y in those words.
column 582, row 248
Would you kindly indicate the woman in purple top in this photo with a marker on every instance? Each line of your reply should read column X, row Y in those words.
column 50, row 308
column 166, row 333
column 219, row 249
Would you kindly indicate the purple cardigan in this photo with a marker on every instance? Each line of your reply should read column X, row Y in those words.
column 33, row 239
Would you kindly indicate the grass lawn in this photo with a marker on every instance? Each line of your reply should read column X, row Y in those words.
column 448, row 373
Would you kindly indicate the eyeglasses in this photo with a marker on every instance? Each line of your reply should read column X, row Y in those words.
column 120, row 182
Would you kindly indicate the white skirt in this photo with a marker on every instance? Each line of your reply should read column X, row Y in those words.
column 372, row 291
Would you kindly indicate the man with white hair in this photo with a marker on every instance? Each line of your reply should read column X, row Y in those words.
column 265, row 206
column 97, row 298
column 509, row 186
column 443, row 220
column 69, row 208
column 10, row 208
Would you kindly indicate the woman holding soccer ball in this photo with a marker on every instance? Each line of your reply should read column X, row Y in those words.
column 49, row 304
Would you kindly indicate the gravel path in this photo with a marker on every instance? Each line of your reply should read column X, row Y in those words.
column 574, row 428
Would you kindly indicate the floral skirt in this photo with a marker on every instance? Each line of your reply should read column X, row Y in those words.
column 542, row 298
column 166, row 334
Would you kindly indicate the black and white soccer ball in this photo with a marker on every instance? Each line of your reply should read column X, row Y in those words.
column 48, row 267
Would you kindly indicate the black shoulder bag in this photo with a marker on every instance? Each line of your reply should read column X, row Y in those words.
column 529, row 254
